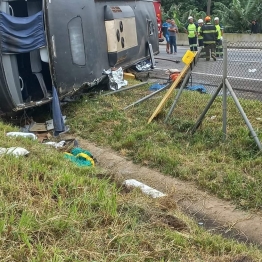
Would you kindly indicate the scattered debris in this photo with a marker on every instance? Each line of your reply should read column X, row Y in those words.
column 54, row 144
column 50, row 123
column 81, row 157
column 144, row 188
column 129, row 76
column 156, row 86
column 198, row 88
column 172, row 71
column 213, row 117
column 22, row 134
column 116, row 80
column 38, row 127
column 15, row 151
column 143, row 66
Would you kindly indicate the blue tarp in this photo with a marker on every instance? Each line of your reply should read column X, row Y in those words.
column 21, row 34
column 198, row 88
column 156, row 87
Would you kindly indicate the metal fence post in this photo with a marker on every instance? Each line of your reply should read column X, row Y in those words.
column 225, row 62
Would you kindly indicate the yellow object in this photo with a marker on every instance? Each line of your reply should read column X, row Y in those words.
column 128, row 76
column 188, row 57
column 169, row 93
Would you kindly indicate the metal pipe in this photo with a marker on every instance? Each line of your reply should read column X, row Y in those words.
column 125, row 89
column 188, row 74
column 148, row 96
column 170, row 60
column 178, row 95
column 225, row 64
column 201, row 118
column 242, row 112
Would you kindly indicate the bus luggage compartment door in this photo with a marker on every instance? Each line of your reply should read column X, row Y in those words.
column 121, row 32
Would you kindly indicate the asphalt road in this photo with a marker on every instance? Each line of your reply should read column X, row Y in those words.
column 244, row 70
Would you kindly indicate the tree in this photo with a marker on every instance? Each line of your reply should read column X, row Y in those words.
column 237, row 16
column 209, row 7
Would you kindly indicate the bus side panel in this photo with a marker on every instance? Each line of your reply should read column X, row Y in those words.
column 78, row 44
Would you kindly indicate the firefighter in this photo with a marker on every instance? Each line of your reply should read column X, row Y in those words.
column 210, row 34
column 191, row 30
column 200, row 37
column 220, row 30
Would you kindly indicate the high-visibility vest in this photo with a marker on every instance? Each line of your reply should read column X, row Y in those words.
column 191, row 28
column 198, row 30
column 219, row 31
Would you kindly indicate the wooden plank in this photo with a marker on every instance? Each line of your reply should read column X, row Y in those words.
column 169, row 93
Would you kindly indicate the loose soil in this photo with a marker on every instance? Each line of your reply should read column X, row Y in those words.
column 216, row 215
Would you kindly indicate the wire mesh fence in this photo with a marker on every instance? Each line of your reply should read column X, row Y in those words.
column 243, row 69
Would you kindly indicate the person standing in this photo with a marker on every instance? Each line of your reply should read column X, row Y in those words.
column 210, row 34
column 165, row 27
column 191, row 30
column 254, row 27
column 200, row 37
column 172, row 36
column 220, row 30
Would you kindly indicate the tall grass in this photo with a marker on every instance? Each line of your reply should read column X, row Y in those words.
column 231, row 170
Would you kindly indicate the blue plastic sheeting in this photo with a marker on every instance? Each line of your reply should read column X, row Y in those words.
column 198, row 88
column 21, row 34
column 156, row 87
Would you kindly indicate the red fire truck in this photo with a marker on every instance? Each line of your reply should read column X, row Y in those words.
column 157, row 5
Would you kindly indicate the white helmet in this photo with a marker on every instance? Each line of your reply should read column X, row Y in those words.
column 190, row 17
column 216, row 19
column 200, row 21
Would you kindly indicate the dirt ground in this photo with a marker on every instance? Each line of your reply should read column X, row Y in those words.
column 210, row 212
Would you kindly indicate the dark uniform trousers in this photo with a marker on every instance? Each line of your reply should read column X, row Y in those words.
column 210, row 50
column 219, row 48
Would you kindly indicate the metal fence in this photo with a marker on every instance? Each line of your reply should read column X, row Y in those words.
column 239, row 76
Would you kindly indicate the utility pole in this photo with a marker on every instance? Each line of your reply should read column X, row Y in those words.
column 208, row 6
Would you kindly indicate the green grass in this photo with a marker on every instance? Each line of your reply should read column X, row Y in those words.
column 231, row 170
column 51, row 210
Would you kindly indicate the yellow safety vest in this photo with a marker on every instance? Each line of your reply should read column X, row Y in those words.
column 219, row 31
column 191, row 30
column 198, row 30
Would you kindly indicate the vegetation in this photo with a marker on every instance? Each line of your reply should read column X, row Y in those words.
column 51, row 210
column 236, row 15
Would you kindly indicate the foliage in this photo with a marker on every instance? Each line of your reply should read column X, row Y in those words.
column 180, row 16
column 235, row 15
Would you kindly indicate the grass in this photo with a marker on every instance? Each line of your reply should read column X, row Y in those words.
column 51, row 210
column 231, row 170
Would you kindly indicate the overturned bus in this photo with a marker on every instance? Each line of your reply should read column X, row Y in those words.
column 68, row 44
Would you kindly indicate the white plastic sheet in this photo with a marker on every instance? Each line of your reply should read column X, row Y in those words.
column 15, row 151
column 54, row 144
column 22, row 134
column 144, row 188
